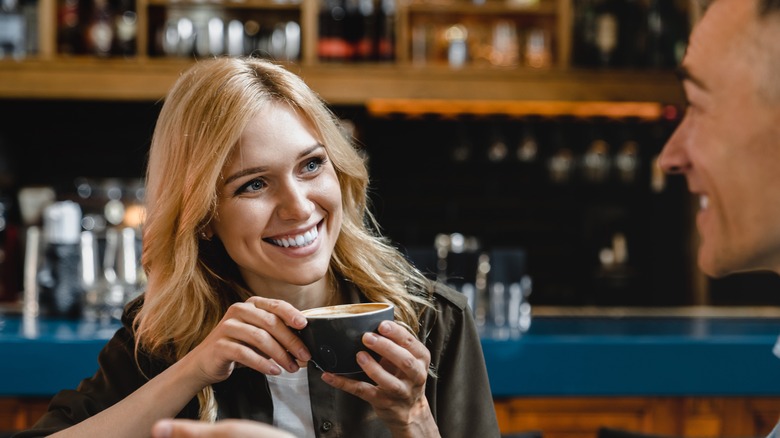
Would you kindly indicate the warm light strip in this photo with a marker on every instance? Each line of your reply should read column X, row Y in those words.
column 450, row 108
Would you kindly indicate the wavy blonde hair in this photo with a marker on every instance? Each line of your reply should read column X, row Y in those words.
column 191, row 284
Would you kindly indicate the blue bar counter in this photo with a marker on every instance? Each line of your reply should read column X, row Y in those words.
column 558, row 356
column 637, row 356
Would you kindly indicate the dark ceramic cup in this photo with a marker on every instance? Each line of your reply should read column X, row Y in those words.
column 334, row 334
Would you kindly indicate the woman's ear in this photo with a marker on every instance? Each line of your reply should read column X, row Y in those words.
column 206, row 233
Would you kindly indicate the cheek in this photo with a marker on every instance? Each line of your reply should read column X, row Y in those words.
column 329, row 192
column 239, row 217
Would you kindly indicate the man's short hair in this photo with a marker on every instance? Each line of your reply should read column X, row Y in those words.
column 766, row 7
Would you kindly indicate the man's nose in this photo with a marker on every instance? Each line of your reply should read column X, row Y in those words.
column 674, row 157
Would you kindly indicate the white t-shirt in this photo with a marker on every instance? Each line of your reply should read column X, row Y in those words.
column 292, row 405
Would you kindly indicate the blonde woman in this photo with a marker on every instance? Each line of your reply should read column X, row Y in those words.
column 256, row 210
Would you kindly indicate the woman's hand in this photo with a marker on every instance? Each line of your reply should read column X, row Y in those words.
column 399, row 394
column 257, row 334
column 226, row 428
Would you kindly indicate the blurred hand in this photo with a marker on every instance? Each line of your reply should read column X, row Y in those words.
column 399, row 394
column 256, row 334
column 220, row 429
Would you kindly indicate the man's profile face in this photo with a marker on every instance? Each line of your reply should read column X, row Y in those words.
column 728, row 143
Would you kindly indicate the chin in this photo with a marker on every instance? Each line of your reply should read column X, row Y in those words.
column 711, row 265
column 311, row 277
column 715, row 265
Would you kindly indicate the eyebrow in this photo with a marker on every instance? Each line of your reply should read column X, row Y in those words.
column 260, row 169
column 684, row 74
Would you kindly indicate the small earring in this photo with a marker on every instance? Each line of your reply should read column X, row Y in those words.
column 204, row 236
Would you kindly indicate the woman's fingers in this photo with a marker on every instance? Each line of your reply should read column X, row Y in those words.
column 401, row 374
column 401, row 349
column 255, row 324
column 282, row 309
column 278, row 319
column 240, row 353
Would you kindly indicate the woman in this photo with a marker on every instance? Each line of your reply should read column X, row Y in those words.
column 256, row 210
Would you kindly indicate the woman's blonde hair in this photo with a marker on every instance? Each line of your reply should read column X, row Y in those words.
column 193, row 282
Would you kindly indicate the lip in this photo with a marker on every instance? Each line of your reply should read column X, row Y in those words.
column 297, row 231
column 311, row 247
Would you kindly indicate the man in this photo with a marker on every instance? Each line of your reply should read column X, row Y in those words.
column 728, row 144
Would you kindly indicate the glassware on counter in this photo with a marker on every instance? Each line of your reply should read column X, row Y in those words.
column 60, row 290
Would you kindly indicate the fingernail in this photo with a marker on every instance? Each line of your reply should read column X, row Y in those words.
column 163, row 429
column 304, row 355
column 369, row 339
column 362, row 358
column 327, row 377
column 299, row 322
column 385, row 327
column 275, row 370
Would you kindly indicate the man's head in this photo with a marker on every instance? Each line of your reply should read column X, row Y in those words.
column 728, row 144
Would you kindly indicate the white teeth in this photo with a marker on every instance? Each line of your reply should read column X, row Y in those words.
column 299, row 240
column 704, row 201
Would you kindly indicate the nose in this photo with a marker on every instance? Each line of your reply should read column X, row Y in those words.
column 294, row 202
column 674, row 157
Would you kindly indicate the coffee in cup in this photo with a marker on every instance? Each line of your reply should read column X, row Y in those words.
column 334, row 334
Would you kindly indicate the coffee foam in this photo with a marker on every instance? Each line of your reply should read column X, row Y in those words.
column 344, row 310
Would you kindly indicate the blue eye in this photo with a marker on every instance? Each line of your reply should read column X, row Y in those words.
column 313, row 164
column 254, row 185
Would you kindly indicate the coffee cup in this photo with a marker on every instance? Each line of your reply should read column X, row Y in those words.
column 334, row 334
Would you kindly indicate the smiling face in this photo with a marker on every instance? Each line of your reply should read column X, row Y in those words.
column 728, row 144
column 279, row 208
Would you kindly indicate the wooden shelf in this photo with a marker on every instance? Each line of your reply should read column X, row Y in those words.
column 254, row 4
column 453, row 108
column 483, row 9
column 148, row 79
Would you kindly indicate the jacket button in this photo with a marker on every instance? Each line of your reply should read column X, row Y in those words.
column 326, row 426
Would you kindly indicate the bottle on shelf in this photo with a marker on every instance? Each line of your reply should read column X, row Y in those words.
column 596, row 160
column 583, row 34
column 385, row 30
column 666, row 34
column 606, row 35
column 69, row 27
column 100, row 30
column 462, row 150
column 561, row 164
column 332, row 44
column 538, row 48
column 13, row 29
column 610, row 33
column 528, row 146
column 497, row 150
column 632, row 33
column 457, row 45
column 125, row 28
column 505, row 45
column 359, row 28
